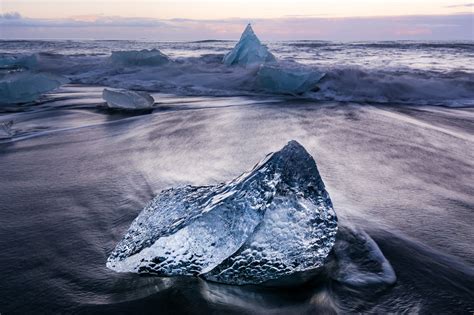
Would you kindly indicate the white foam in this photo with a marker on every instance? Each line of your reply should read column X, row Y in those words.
column 208, row 76
column 288, row 78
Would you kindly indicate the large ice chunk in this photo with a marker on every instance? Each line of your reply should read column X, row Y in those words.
column 271, row 222
column 25, row 62
column 286, row 78
column 248, row 51
column 127, row 99
column 26, row 86
column 144, row 57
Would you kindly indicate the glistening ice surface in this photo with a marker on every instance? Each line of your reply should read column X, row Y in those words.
column 271, row 222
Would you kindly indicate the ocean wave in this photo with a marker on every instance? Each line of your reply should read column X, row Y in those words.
column 212, row 41
column 312, row 44
column 401, row 45
column 354, row 84
column 407, row 45
column 206, row 75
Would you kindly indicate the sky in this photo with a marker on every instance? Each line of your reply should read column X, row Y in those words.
column 225, row 19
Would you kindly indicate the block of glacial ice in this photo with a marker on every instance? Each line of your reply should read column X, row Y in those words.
column 144, row 57
column 27, row 86
column 248, row 51
column 287, row 78
column 6, row 130
column 271, row 222
column 127, row 99
column 25, row 62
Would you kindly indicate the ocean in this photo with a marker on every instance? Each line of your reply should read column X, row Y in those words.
column 391, row 127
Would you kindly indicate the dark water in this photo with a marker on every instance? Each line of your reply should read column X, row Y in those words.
column 74, row 177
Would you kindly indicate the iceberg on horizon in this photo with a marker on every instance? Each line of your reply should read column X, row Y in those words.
column 144, row 57
column 269, row 223
column 288, row 78
column 27, row 86
column 127, row 99
column 248, row 51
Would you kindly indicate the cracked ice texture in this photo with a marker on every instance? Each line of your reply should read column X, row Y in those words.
column 271, row 222
column 248, row 51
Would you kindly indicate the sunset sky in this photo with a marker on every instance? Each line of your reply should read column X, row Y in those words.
column 199, row 19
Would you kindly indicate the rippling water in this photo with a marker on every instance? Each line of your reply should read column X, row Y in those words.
column 75, row 175
column 416, row 55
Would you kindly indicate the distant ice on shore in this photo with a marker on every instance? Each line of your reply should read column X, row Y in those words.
column 144, row 57
column 127, row 99
column 313, row 70
column 27, row 86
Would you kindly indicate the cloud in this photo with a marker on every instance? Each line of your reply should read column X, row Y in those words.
column 15, row 19
column 10, row 16
column 422, row 27
column 465, row 5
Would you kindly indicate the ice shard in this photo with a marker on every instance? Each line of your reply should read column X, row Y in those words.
column 127, row 99
column 12, row 62
column 144, row 57
column 288, row 78
column 269, row 223
column 248, row 51
column 27, row 86
column 6, row 130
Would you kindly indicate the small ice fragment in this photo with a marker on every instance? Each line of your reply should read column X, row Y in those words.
column 288, row 78
column 358, row 261
column 144, row 57
column 27, row 86
column 127, row 99
column 269, row 223
column 248, row 51
column 6, row 131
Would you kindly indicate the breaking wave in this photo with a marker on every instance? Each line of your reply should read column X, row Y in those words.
column 400, row 87
column 206, row 75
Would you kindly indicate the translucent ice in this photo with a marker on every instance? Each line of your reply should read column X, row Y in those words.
column 271, row 222
column 248, row 51
column 126, row 99
column 26, row 62
column 6, row 130
column 26, row 86
column 358, row 261
column 288, row 78
column 144, row 57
